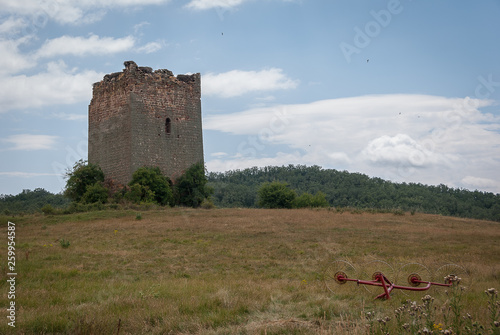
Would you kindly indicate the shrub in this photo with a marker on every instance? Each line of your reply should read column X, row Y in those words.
column 48, row 210
column 319, row 200
column 207, row 204
column 308, row 200
column 399, row 212
column 64, row 243
column 303, row 200
column 158, row 184
column 82, row 176
column 140, row 194
column 95, row 193
column 276, row 195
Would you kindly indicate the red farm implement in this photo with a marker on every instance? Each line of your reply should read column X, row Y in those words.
column 378, row 277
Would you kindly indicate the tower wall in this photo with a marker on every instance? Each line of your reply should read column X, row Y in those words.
column 128, row 125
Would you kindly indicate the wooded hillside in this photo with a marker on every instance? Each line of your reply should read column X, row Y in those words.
column 238, row 188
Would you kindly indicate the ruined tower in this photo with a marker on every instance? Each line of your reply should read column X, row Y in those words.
column 140, row 117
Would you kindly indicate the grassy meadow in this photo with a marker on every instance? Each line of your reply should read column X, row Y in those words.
column 240, row 271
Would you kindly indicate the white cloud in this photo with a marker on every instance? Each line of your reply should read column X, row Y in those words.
column 57, row 85
column 70, row 116
column 31, row 142
column 81, row 46
column 12, row 25
column 27, row 174
column 419, row 138
column 399, row 149
column 480, row 183
column 150, row 47
column 69, row 11
column 208, row 4
column 12, row 60
column 218, row 154
column 235, row 83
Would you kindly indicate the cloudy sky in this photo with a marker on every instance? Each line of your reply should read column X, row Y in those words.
column 399, row 89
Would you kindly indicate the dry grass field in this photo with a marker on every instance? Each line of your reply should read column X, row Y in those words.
column 234, row 271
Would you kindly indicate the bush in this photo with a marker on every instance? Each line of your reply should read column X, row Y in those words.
column 82, row 176
column 96, row 193
column 140, row 194
column 308, row 200
column 319, row 200
column 303, row 200
column 64, row 243
column 207, row 204
column 399, row 212
column 158, row 184
column 276, row 195
column 48, row 210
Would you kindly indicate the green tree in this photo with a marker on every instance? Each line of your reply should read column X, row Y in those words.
column 83, row 175
column 156, row 182
column 192, row 186
column 96, row 193
column 276, row 195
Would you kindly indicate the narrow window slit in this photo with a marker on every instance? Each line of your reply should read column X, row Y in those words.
column 168, row 126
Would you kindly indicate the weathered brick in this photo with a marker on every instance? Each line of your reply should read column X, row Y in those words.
column 140, row 117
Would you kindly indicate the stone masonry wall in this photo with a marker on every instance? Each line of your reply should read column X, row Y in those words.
column 128, row 122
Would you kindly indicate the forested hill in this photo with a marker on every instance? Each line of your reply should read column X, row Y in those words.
column 30, row 201
column 343, row 189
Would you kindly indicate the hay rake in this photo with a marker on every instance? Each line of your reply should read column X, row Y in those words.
column 376, row 276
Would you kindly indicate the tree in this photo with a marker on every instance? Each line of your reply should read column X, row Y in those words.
column 156, row 182
column 191, row 186
column 276, row 195
column 83, row 175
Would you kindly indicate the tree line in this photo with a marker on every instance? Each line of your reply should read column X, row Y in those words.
column 292, row 186
column 88, row 189
column 240, row 188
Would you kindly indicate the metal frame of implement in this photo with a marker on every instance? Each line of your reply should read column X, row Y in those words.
column 450, row 274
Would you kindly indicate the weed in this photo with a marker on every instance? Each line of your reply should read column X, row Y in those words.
column 64, row 243
column 494, row 310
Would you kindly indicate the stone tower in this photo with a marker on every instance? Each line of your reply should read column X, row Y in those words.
column 140, row 117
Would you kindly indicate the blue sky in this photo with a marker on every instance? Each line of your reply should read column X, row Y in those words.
column 403, row 90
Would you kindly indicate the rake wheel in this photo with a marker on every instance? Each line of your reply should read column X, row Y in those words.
column 335, row 272
column 407, row 273
column 454, row 274
column 372, row 269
